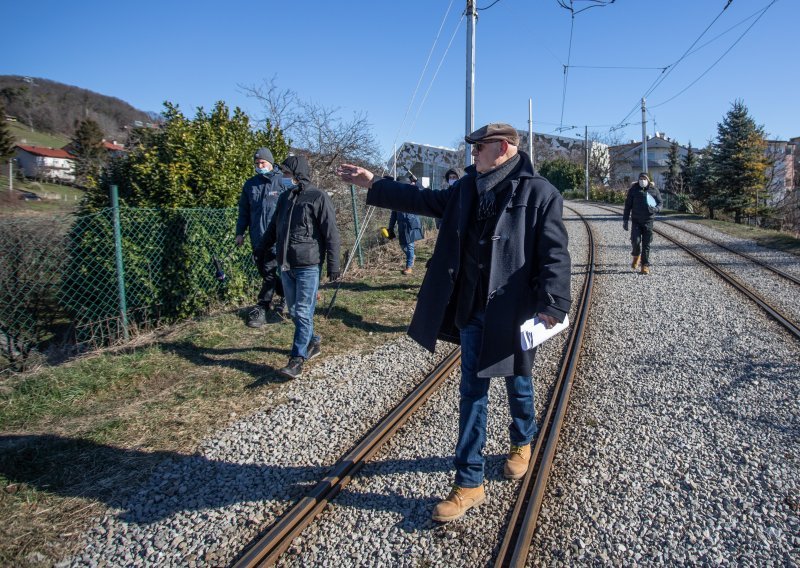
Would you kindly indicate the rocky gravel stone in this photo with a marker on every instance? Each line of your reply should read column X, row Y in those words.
column 681, row 444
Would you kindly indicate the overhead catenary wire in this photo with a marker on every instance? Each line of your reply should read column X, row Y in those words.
column 422, row 74
column 710, row 67
column 669, row 68
column 433, row 79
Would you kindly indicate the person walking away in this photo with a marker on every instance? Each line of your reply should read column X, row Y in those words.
column 256, row 207
column 303, row 233
column 501, row 258
column 409, row 230
column 641, row 205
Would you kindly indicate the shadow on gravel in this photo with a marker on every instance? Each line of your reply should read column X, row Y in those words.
column 150, row 486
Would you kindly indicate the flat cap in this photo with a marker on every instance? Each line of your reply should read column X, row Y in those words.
column 494, row 131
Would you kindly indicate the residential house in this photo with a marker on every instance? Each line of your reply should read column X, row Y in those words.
column 626, row 159
column 54, row 164
column 782, row 155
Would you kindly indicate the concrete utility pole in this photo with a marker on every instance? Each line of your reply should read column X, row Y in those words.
column 472, row 17
column 644, row 138
column 11, row 174
column 530, row 132
column 586, row 147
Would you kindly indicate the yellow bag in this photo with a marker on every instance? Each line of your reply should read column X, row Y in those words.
column 385, row 232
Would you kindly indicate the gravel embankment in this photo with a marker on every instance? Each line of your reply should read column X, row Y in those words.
column 682, row 445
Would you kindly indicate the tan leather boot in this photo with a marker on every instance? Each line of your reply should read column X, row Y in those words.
column 635, row 263
column 517, row 463
column 645, row 269
column 460, row 500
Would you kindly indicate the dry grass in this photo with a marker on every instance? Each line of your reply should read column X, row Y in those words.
column 79, row 436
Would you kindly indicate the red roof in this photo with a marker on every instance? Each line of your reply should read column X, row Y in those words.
column 46, row 152
column 113, row 147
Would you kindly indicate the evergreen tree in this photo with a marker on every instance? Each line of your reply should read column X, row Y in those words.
column 739, row 160
column 688, row 167
column 6, row 138
column 672, row 177
column 563, row 174
column 200, row 162
column 704, row 183
column 87, row 147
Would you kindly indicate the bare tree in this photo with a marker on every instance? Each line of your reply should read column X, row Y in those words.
column 317, row 130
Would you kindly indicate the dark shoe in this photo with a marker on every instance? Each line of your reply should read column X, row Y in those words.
column 257, row 317
column 460, row 500
column 293, row 369
column 313, row 348
column 279, row 307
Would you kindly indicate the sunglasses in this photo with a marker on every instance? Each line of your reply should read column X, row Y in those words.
column 479, row 146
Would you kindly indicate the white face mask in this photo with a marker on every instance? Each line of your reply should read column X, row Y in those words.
column 451, row 181
column 643, row 183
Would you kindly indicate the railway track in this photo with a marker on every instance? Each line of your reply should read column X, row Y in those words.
column 790, row 325
column 267, row 548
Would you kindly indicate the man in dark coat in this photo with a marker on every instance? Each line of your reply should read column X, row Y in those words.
column 256, row 208
column 501, row 258
column 641, row 205
column 304, row 235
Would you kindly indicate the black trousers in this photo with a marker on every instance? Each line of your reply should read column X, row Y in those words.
column 270, row 280
column 641, row 237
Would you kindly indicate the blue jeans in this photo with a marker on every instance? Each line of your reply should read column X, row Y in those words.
column 300, row 288
column 473, row 406
column 409, row 251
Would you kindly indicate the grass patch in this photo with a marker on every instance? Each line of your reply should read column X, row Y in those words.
column 764, row 237
column 23, row 135
column 75, row 436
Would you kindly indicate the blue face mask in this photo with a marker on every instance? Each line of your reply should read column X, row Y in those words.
column 287, row 183
column 263, row 171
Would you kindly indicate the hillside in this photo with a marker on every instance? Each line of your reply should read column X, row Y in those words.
column 54, row 107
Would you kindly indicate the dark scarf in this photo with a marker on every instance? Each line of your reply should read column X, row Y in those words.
column 488, row 183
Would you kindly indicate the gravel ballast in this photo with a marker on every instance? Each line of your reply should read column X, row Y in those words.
column 681, row 444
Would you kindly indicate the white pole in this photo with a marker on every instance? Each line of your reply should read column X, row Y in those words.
column 530, row 131
column 472, row 15
column 586, row 146
column 11, row 174
column 644, row 139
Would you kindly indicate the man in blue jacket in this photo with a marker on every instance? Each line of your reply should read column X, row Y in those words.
column 501, row 258
column 256, row 208
column 641, row 205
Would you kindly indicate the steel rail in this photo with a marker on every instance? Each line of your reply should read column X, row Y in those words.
column 790, row 326
column 266, row 549
column 513, row 550
column 729, row 249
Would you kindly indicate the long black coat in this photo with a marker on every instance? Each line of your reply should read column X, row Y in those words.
column 530, row 269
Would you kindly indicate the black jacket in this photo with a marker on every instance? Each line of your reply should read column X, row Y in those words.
column 304, row 230
column 636, row 206
column 530, row 266
column 257, row 205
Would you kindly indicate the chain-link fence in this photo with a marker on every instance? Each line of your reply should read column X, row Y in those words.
column 76, row 283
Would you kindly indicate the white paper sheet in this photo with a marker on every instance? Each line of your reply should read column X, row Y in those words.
column 533, row 332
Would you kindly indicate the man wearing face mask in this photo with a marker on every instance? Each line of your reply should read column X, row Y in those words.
column 641, row 205
column 303, row 233
column 256, row 209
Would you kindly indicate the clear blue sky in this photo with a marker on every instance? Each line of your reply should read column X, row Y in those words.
column 368, row 55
